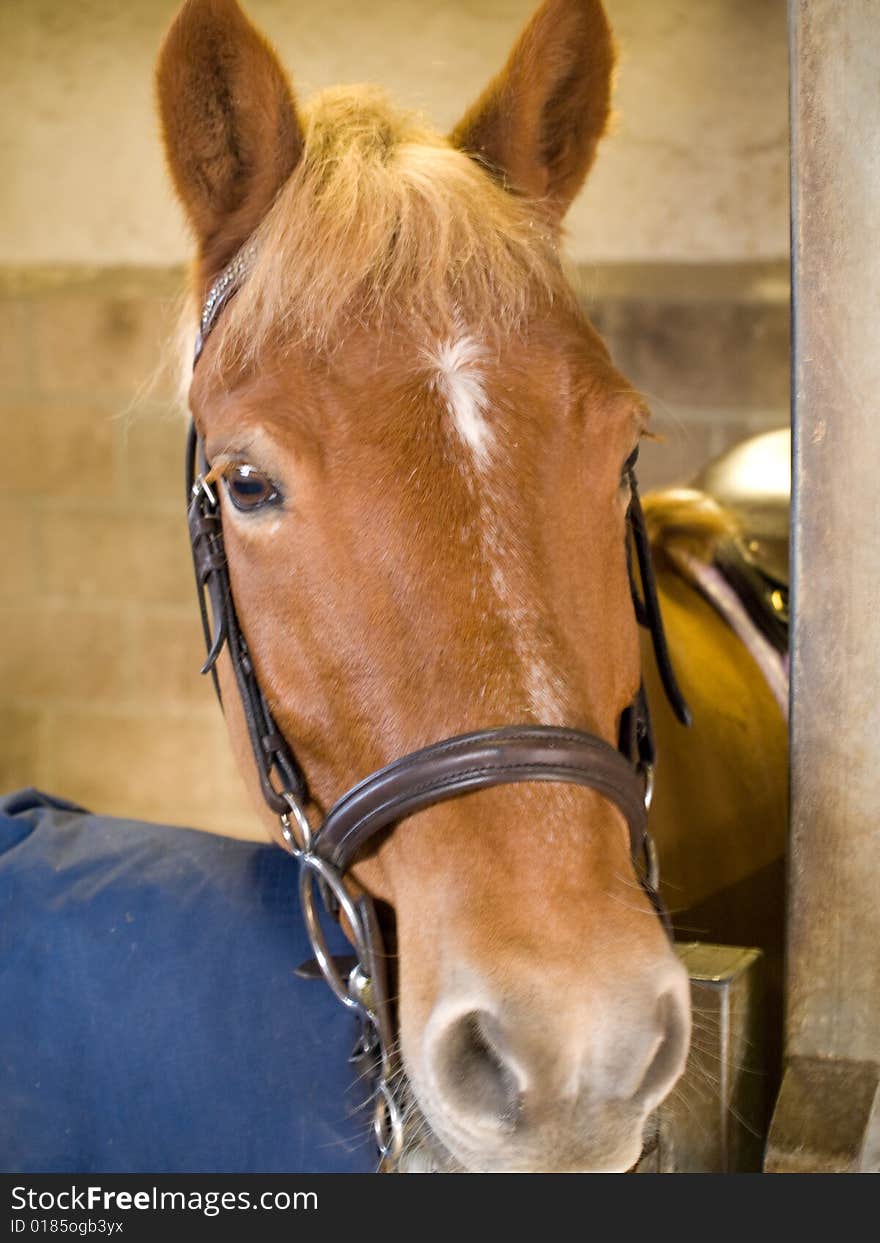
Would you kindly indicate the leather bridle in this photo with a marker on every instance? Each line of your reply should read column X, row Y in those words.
column 442, row 771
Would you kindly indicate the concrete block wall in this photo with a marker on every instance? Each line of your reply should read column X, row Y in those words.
column 708, row 345
column 100, row 695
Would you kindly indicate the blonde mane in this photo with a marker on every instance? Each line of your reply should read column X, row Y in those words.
column 384, row 220
column 687, row 520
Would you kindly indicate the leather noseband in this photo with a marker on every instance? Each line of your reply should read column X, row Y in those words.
column 489, row 757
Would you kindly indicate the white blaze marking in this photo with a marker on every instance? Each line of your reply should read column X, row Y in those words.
column 460, row 380
column 459, row 377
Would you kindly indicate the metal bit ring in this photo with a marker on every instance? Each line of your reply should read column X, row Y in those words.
column 312, row 866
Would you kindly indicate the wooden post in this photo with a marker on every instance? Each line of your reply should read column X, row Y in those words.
column 828, row 1113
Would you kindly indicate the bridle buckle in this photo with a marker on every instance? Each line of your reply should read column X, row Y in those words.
column 201, row 485
column 295, row 814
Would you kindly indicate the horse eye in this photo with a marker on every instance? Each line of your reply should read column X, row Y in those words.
column 249, row 488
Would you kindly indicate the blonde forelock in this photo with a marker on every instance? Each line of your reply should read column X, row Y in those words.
column 384, row 221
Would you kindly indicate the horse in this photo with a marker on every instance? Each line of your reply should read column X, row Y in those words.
column 423, row 461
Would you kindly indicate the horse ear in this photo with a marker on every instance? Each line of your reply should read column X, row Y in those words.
column 229, row 122
column 539, row 121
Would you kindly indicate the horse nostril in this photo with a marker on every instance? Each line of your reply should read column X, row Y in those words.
column 472, row 1073
column 669, row 1055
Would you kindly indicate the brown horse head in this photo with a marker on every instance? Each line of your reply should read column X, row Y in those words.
column 422, row 444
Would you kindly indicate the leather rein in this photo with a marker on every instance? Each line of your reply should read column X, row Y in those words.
column 436, row 773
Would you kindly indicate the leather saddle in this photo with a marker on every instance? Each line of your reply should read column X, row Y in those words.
column 752, row 481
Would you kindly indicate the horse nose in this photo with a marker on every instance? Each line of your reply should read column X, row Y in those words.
column 666, row 1058
column 477, row 1077
column 499, row 1072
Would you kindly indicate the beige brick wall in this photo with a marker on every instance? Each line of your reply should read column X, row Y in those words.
column 707, row 344
column 100, row 644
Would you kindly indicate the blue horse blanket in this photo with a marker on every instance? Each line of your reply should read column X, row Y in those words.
column 150, row 1017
